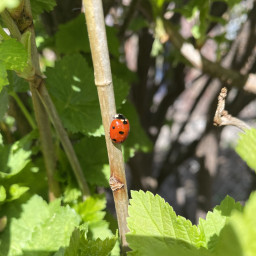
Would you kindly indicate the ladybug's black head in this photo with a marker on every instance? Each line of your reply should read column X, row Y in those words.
column 120, row 116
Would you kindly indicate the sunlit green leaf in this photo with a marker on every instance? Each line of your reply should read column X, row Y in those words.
column 246, row 147
column 71, row 84
column 37, row 227
column 8, row 4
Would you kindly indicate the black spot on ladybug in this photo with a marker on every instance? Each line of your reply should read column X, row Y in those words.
column 121, row 132
column 113, row 127
column 125, row 122
column 114, row 139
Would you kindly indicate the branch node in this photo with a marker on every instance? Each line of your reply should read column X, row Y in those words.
column 115, row 184
column 103, row 84
column 222, row 117
column 36, row 81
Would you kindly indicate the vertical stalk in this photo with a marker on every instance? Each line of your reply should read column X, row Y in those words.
column 17, row 26
column 103, row 81
column 21, row 20
column 43, row 122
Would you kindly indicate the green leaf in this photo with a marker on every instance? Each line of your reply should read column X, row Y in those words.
column 25, row 183
column 3, row 75
column 100, row 229
column 246, row 147
column 92, row 154
column 39, row 6
column 91, row 210
column 215, row 221
column 120, row 70
column 13, row 55
column 38, row 228
column 238, row 237
column 16, row 191
column 79, row 245
column 13, row 158
column 74, row 243
column 17, row 83
column 137, row 23
column 29, row 70
column 157, row 6
column 2, row 193
column 71, row 194
column 78, row 235
column 98, row 247
column 71, row 84
column 3, row 103
column 72, row 37
column 92, row 213
column 137, row 140
column 156, row 230
column 113, row 43
column 8, row 4
column 196, row 32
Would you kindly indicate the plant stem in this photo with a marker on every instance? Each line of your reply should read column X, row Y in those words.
column 16, row 24
column 103, row 80
column 52, row 112
column 213, row 69
column 43, row 105
column 23, row 109
column 11, row 25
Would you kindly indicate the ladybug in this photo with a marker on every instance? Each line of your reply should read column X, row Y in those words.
column 119, row 129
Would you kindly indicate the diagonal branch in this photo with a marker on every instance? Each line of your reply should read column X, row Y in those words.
column 20, row 21
column 14, row 23
column 213, row 69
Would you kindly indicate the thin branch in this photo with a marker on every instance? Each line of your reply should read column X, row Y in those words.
column 18, row 25
column 23, row 109
column 65, row 141
column 103, row 80
column 214, row 69
column 43, row 95
column 223, row 118
column 42, row 103
column 11, row 25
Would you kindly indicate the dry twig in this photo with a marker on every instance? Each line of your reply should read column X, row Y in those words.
column 222, row 117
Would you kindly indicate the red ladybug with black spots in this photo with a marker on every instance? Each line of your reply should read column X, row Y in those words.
column 119, row 128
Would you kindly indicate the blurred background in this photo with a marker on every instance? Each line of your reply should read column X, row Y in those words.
column 192, row 164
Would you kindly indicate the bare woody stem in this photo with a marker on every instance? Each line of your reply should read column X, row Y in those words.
column 222, row 117
column 20, row 22
column 103, row 81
